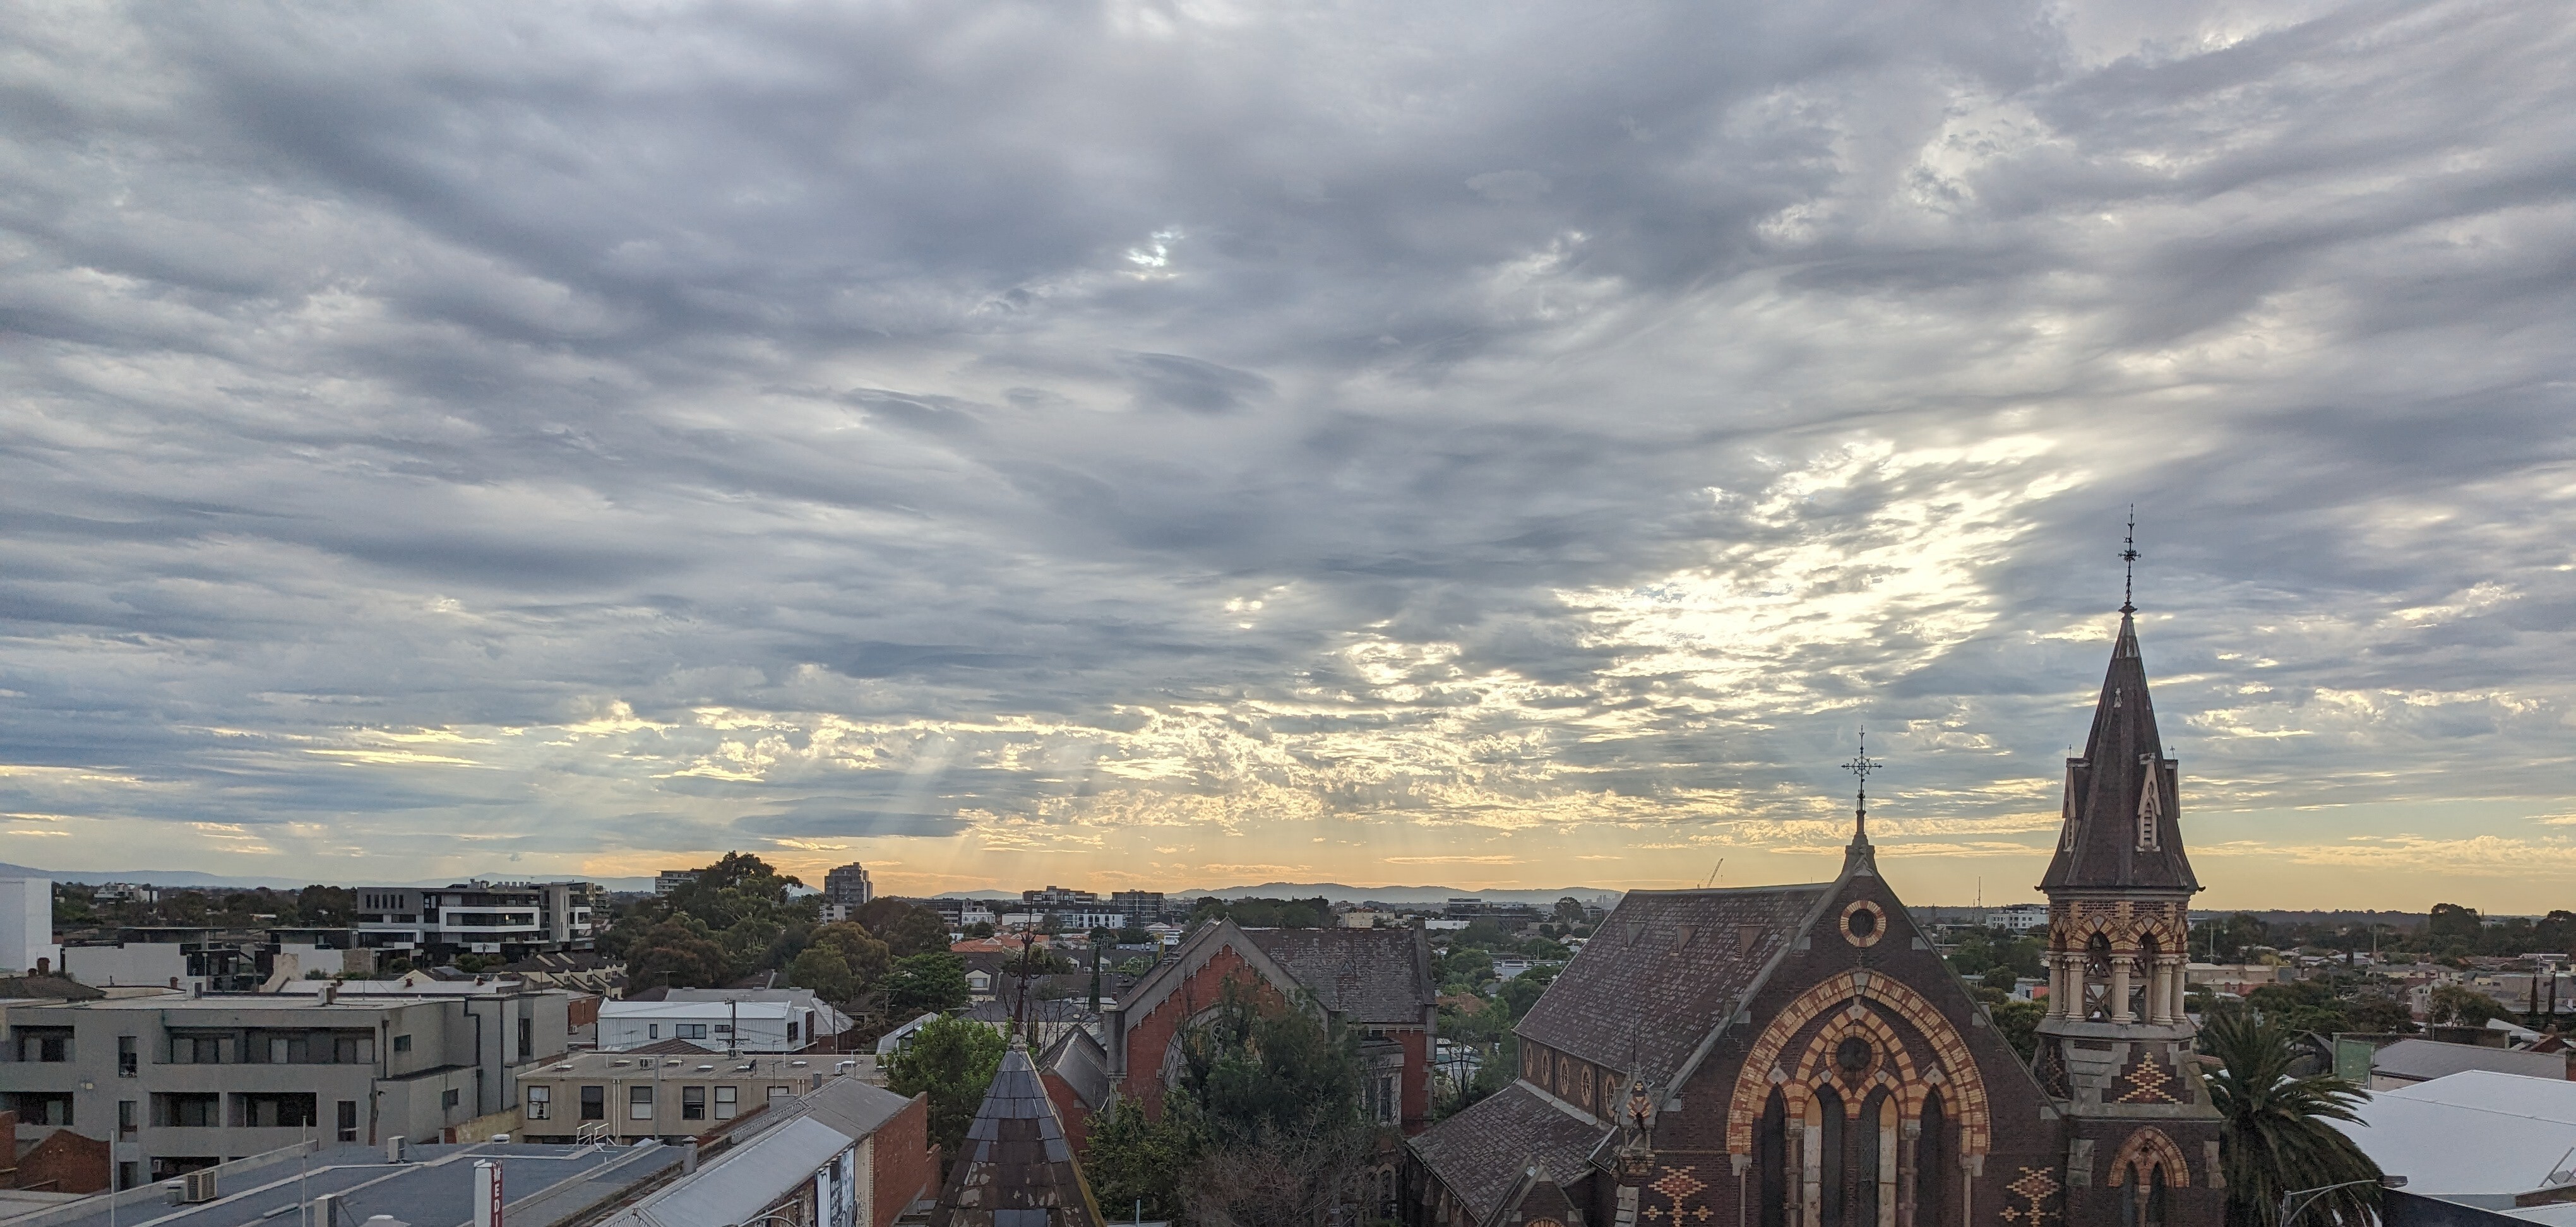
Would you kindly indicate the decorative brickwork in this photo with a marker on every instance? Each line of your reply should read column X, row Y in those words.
column 1849, row 995
column 2144, row 1081
column 2037, row 1188
column 2149, row 1150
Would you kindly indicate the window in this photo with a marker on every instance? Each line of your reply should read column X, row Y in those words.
column 189, row 1111
column 447, row 1098
column 274, row 1111
column 353, row 1049
column 725, row 1096
column 402, row 1043
column 348, row 1120
column 128, row 1118
column 639, row 1103
column 125, row 1056
column 287, row 1050
column 1378, row 1098
column 791, row 1033
column 196, row 1049
column 689, row 1031
column 724, row 1028
column 652, row 1031
column 541, row 1102
column 47, row 1044
column 527, row 1038
column 42, row 1107
column 693, row 1103
column 594, row 1103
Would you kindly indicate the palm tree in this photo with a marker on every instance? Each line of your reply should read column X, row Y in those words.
column 2276, row 1137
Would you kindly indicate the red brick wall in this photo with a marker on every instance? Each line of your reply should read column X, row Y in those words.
column 1148, row 1038
column 70, row 1162
column 906, row 1167
column 581, row 1012
column 1415, row 1085
column 1069, row 1109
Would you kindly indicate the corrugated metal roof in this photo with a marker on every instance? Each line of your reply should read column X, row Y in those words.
column 738, row 1184
column 2424, row 1060
column 2472, row 1134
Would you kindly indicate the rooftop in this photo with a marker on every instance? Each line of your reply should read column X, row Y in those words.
column 2477, row 1137
column 544, row 1185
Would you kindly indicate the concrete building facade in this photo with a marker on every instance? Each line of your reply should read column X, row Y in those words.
column 176, row 1083
column 513, row 919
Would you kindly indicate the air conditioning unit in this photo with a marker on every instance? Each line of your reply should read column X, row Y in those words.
column 197, row 1186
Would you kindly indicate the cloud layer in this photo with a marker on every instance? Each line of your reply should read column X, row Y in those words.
column 1175, row 443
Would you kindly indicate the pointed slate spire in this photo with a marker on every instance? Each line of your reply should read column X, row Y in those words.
column 1015, row 1168
column 2122, row 797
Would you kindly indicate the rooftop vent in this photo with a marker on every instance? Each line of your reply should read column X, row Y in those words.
column 704, row 1068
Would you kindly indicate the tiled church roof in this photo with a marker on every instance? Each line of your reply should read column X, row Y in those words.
column 1480, row 1152
column 1661, row 970
column 1364, row 976
column 1015, row 1167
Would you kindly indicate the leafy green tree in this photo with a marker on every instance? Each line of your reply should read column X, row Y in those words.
column 867, row 958
column 822, row 969
column 2018, row 1023
column 672, row 954
column 2228, row 940
column 1277, row 1098
column 1135, row 1158
column 926, row 982
column 2374, row 1012
column 1521, row 992
column 2304, row 1005
column 2459, row 1006
column 2275, row 1137
column 906, row 928
column 951, row 1059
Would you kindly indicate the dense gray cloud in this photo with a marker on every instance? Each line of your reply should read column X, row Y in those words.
column 1219, row 440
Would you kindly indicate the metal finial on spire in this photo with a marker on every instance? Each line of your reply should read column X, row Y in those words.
column 1861, row 766
column 2129, row 555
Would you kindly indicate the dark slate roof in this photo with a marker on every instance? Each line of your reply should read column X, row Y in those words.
column 1661, row 970
column 2107, row 788
column 1083, row 1064
column 1364, row 976
column 1015, row 1158
column 55, row 988
column 1480, row 1153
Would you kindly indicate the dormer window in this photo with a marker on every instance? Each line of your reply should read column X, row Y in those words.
column 2151, row 806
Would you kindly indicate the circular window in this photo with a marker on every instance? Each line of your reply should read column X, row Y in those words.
column 1864, row 923
column 1853, row 1054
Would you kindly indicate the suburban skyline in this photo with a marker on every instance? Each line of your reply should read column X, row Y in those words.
column 1188, row 444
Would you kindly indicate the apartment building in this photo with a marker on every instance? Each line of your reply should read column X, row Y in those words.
column 514, row 919
column 634, row 1096
column 720, row 1019
column 183, row 1082
column 848, row 886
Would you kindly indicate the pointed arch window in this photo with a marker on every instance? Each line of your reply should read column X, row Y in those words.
column 1832, row 1170
column 1931, row 1164
column 1772, row 1153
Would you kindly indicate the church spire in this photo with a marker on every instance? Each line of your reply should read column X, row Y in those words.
column 2123, row 795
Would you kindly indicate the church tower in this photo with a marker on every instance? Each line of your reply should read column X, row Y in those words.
column 2115, row 1047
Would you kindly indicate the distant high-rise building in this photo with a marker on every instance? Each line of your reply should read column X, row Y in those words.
column 848, row 886
column 673, row 879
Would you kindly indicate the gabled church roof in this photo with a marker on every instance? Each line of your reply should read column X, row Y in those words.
column 1662, row 969
column 2122, row 798
column 1482, row 1153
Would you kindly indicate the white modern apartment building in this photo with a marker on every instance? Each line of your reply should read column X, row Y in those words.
column 481, row 917
column 27, row 925
column 721, row 1020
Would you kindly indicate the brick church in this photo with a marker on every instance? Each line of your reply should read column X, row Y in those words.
column 1800, row 1056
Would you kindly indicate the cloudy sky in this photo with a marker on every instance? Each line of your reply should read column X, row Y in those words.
column 1184, row 444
